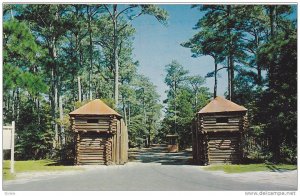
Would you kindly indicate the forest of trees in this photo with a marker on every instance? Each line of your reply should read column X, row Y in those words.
column 257, row 45
column 57, row 57
column 186, row 95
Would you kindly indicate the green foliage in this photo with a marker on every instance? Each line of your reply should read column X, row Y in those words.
column 46, row 48
column 259, row 46
column 142, row 109
column 20, row 58
column 27, row 50
column 272, row 102
column 160, row 14
column 185, row 97
column 281, row 97
column 23, row 86
column 34, row 136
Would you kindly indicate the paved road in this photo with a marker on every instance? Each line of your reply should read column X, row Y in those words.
column 149, row 170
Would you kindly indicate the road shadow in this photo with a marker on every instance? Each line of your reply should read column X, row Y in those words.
column 159, row 154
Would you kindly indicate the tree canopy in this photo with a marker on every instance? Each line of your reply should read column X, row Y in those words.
column 56, row 57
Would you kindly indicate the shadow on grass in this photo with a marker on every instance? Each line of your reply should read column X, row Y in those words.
column 276, row 168
column 6, row 167
column 61, row 163
column 271, row 166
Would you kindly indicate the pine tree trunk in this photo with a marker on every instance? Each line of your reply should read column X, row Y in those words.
column 232, row 77
column 18, row 104
column 52, row 103
column 196, row 100
column 55, row 109
column 116, row 60
column 215, row 85
column 258, row 66
column 13, row 104
column 272, row 16
column 91, row 53
column 272, row 66
column 229, row 57
column 38, row 111
column 129, row 113
column 79, row 89
column 259, row 78
column 54, row 91
column 229, row 78
column 61, row 117
column 149, row 137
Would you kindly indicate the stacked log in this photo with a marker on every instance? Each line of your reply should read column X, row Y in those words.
column 113, row 124
column 224, row 149
column 108, row 152
column 100, row 140
column 91, row 150
column 209, row 123
column 77, row 148
column 81, row 124
column 219, row 142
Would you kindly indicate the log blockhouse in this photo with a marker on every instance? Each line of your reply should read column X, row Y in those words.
column 173, row 144
column 218, row 131
column 101, row 136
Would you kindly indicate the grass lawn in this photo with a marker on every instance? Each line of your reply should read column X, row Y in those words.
column 250, row 168
column 33, row 166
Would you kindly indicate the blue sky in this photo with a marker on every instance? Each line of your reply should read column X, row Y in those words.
column 156, row 45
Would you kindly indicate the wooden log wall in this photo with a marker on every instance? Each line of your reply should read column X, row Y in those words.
column 218, row 142
column 108, row 151
column 93, row 148
column 103, row 124
column 124, row 143
column 200, row 155
column 103, row 140
column 209, row 124
column 223, row 148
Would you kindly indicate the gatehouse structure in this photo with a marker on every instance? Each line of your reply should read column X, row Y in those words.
column 101, row 136
column 217, row 132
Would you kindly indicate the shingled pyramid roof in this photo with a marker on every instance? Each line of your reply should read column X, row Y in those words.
column 95, row 107
column 219, row 104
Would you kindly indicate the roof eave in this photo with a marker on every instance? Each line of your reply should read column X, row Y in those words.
column 94, row 115
column 222, row 111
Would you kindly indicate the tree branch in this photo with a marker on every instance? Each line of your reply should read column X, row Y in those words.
column 124, row 26
column 132, row 6
column 222, row 68
column 103, row 44
column 109, row 12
